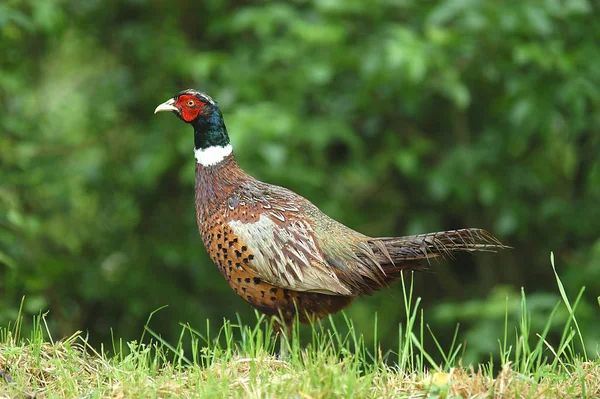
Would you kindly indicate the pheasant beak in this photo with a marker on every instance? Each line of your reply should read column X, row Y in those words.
column 167, row 106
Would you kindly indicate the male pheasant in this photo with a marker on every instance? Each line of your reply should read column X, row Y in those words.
column 276, row 249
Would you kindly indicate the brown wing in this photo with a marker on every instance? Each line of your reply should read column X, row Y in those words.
column 272, row 223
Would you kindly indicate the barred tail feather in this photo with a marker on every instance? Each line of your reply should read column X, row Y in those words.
column 381, row 260
column 393, row 251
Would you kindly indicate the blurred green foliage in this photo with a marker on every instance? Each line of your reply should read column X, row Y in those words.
column 394, row 117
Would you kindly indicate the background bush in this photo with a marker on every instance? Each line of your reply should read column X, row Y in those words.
column 394, row 117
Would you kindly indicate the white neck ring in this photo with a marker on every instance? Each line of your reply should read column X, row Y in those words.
column 212, row 155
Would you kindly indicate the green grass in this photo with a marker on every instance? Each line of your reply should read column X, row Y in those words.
column 239, row 361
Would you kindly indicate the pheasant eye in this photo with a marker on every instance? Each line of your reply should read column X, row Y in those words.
column 191, row 103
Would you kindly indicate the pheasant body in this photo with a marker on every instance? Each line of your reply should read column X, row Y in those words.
column 222, row 201
column 277, row 250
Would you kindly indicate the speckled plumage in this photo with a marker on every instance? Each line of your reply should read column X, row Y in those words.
column 277, row 250
column 226, row 197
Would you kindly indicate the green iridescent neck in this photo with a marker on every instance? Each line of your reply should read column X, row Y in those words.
column 210, row 131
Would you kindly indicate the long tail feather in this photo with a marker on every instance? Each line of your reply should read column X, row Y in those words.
column 381, row 260
column 425, row 246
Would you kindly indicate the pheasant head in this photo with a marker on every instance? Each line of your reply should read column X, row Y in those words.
column 211, row 141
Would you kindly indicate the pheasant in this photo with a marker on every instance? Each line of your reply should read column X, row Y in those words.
column 276, row 249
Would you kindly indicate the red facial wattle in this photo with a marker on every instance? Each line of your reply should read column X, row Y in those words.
column 190, row 107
